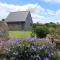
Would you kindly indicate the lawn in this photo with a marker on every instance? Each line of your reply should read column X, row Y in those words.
column 18, row 34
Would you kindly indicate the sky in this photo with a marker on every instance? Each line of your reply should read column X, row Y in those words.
column 42, row 11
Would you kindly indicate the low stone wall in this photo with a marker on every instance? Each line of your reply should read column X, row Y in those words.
column 3, row 30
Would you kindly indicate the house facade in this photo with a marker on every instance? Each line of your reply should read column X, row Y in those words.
column 21, row 20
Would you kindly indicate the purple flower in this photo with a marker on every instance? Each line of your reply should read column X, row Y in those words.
column 3, row 58
column 16, row 40
column 15, row 53
column 33, row 48
column 37, row 57
column 31, row 39
column 43, row 46
column 26, row 53
column 7, row 50
column 1, row 44
column 50, row 53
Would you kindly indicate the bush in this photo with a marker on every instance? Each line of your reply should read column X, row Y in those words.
column 19, row 49
column 41, row 31
column 29, row 52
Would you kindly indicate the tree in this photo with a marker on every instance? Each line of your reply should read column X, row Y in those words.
column 51, row 24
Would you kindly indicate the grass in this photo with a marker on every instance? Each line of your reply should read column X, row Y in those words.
column 18, row 34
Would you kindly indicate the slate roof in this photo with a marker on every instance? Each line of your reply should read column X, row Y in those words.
column 17, row 16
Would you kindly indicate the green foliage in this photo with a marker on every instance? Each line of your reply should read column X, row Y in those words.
column 32, row 34
column 51, row 24
column 30, row 52
column 54, row 32
column 41, row 31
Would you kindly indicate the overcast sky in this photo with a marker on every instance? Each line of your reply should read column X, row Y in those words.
column 42, row 11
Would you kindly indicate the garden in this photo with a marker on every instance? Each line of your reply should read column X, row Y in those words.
column 29, row 45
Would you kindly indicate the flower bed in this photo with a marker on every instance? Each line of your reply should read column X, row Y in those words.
column 29, row 49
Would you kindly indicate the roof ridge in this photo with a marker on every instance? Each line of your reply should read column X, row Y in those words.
column 19, row 11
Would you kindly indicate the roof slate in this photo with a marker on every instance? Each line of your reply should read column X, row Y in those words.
column 19, row 16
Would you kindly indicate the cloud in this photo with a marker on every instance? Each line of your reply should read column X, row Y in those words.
column 5, row 9
column 53, row 16
column 39, row 14
column 37, row 18
column 31, row 7
column 52, row 1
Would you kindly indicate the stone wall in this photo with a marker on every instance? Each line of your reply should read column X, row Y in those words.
column 3, row 30
column 28, row 22
column 16, row 26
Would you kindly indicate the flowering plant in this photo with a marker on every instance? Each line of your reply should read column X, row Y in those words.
column 29, row 52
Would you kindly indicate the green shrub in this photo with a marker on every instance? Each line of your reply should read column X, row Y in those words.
column 41, row 31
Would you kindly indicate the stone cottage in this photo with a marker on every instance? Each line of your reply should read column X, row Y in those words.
column 20, row 20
